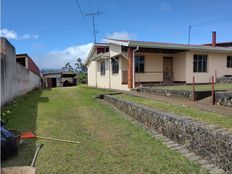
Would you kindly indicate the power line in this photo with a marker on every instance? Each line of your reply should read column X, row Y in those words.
column 213, row 21
column 93, row 14
column 83, row 16
column 205, row 23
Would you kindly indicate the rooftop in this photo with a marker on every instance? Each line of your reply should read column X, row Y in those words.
column 148, row 44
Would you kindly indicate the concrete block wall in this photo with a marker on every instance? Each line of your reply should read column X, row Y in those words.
column 15, row 78
column 8, row 71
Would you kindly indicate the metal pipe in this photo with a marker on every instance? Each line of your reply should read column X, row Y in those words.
column 133, row 66
column 38, row 147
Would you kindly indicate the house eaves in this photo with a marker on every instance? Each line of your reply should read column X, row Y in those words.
column 180, row 46
column 101, row 56
column 91, row 52
column 159, row 45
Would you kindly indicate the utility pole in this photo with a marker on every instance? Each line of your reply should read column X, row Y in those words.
column 93, row 14
column 205, row 23
column 189, row 34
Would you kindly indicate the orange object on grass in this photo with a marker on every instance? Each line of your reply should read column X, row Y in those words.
column 28, row 135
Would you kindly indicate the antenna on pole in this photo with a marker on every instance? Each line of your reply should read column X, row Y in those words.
column 93, row 14
column 189, row 34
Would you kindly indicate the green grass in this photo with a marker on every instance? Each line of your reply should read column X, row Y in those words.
column 110, row 143
column 182, row 110
column 199, row 87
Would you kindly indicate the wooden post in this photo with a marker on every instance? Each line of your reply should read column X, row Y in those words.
column 213, row 98
column 193, row 88
column 215, row 76
column 130, row 68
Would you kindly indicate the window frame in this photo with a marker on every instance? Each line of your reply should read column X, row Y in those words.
column 115, row 65
column 200, row 62
column 102, row 68
column 139, row 63
column 229, row 61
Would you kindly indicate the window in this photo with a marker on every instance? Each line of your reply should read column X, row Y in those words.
column 21, row 61
column 200, row 63
column 102, row 50
column 139, row 64
column 229, row 61
column 102, row 67
column 115, row 65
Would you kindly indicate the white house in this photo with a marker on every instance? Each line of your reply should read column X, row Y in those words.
column 123, row 64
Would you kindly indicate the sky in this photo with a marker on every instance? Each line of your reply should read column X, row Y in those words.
column 53, row 32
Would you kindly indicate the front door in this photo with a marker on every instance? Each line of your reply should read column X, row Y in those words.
column 53, row 82
column 168, row 69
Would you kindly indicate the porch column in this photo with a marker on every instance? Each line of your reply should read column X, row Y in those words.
column 130, row 68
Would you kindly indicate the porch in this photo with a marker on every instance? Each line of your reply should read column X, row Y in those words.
column 154, row 66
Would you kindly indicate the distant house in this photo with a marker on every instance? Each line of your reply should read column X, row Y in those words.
column 59, row 79
column 27, row 62
column 123, row 64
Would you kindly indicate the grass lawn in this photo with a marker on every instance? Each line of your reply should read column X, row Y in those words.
column 181, row 110
column 198, row 87
column 110, row 143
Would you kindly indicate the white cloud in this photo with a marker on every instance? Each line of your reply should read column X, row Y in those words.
column 10, row 34
column 57, row 59
column 121, row 35
column 165, row 6
column 29, row 36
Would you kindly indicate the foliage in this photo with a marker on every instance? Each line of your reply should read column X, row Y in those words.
column 68, row 68
column 80, row 67
column 82, row 78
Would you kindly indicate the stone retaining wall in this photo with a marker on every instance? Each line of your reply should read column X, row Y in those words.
column 183, row 94
column 169, row 93
column 210, row 142
column 223, row 98
column 224, row 80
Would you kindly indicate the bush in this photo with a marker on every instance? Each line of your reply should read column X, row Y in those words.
column 82, row 78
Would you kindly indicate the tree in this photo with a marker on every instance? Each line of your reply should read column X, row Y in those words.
column 80, row 67
column 81, row 72
column 68, row 67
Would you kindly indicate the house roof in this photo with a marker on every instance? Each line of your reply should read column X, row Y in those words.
column 156, row 45
column 221, row 44
column 144, row 44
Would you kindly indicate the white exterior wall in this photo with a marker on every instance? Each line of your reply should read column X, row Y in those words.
column 103, row 80
column 26, row 80
column 115, row 49
column 179, row 66
column 216, row 63
column 92, row 76
column 109, row 80
column 116, row 79
column 153, row 68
